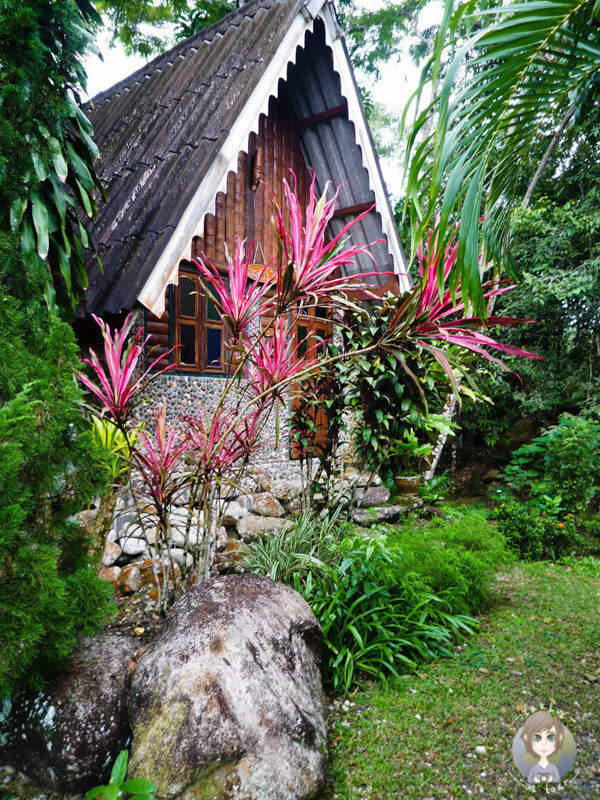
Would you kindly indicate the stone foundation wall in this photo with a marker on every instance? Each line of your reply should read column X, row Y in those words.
column 183, row 394
column 268, row 507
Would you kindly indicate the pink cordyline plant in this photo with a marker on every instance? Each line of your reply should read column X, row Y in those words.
column 219, row 443
column 274, row 363
column 116, row 387
column 238, row 301
column 307, row 264
column 425, row 317
column 158, row 460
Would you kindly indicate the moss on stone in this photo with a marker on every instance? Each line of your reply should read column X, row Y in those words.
column 154, row 755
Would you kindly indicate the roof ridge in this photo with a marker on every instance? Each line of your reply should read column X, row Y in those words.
column 206, row 35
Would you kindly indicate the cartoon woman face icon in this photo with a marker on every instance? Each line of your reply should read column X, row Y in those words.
column 546, row 740
column 543, row 735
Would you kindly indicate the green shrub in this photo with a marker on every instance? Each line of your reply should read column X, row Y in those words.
column 376, row 618
column 436, row 489
column 532, row 533
column 456, row 558
column 386, row 602
column 592, row 527
column 48, row 472
column 587, row 539
column 557, row 470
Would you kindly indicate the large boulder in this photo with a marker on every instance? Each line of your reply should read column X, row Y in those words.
column 372, row 516
column 268, row 506
column 67, row 736
column 227, row 701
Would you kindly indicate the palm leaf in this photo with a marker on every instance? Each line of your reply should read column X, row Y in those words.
column 501, row 93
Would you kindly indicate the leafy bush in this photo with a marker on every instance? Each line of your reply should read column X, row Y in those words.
column 388, row 601
column 376, row 616
column 456, row 558
column 532, row 533
column 591, row 534
column 393, row 432
column 48, row 472
column 558, row 469
column 436, row 488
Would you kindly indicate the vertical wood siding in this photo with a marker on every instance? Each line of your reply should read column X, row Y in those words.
column 242, row 211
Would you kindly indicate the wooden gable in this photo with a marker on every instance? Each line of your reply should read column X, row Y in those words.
column 176, row 140
column 241, row 211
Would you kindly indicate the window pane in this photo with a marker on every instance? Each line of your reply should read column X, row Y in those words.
column 322, row 336
column 302, row 343
column 187, row 297
column 211, row 312
column 321, row 312
column 214, row 337
column 187, row 339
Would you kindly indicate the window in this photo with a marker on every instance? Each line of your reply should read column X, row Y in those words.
column 312, row 330
column 199, row 331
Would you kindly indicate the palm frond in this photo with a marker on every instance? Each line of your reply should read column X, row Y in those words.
column 502, row 91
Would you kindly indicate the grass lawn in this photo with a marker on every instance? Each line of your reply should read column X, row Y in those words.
column 538, row 646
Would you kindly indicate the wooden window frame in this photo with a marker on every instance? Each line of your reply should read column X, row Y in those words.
column 201, row 323
column 315, row 326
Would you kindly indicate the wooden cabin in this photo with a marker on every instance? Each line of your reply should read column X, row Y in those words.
column 184, row 143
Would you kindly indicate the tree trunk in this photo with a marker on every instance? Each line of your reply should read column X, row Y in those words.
column 447, row 413
column 102, row 523
column 547, row 155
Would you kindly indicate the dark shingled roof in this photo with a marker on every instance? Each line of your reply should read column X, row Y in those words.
column 160, row 130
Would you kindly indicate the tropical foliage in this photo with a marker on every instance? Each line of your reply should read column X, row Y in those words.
column 556, row 242
column 508, row 86
column 561, row 466
column 49, row 471
column 200, row 455
column 532, row 533
column 48, row 186
column 391, row 368
column 119, row 383
column 389, row 601
column 119, row 786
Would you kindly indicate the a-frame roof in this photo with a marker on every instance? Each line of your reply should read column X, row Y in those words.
column 169, row 134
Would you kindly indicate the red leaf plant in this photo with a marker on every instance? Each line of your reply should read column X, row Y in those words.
column 116, row 387
column 274, row 364
column 238, row 300
column 219, row 450
column 158, row 460
column 219, row 443
column 425, row 317
column 308, row 263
